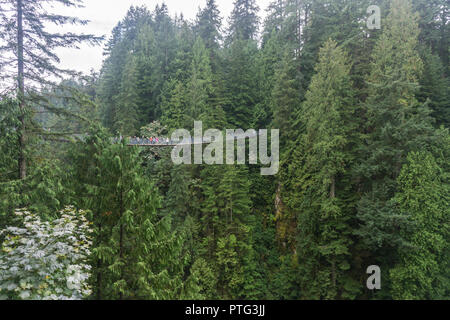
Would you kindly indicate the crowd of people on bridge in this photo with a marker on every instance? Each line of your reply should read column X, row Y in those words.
column 149, row 141
column 164, row 140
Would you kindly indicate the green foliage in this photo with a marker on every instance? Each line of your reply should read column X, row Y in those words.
column 8, row 138
column 322, row 168
column 435, row 88
column 240, row 74
column 208, row 25
column 46, row 261
column 126, row 111
column 423, row 195
column 179, row 195
column 364, row 155
column 44, row 191
column 136, row 254
column 199, row 86
column 174, row 106
column 244, row 20
column 285, row 96
column 396, row 123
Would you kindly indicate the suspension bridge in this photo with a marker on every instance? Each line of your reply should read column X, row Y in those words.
column 168, row 143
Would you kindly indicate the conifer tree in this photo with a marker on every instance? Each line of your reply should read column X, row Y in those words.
column 174, row 106
column 126, row 119
column 29, row 49
column 268, row 59
column 225, row 210
column 274, row 19
column 181, row 65
column 208, row 25
column 119, row 50
column 136, row 255
column 144, row 75
column 396, row 122
column 244, row 20
column 342, row 20
column 285, row 96
column 422, row 270
column 325, row 155
column 435, row 88
column 199, row 87
column 178, row 197
column 44, row 189
column 164, row 29
column 434, row 28
column 8, row 138
column 241, row 85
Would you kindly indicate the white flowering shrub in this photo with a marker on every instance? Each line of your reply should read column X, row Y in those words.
column 46, row 260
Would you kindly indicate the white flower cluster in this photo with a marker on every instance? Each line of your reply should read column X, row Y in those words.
column 46, row 260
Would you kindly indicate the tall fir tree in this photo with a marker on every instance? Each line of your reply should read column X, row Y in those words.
column 286, row 96
column 435, row 88
column 28, row 54
column 208, row 25
column 241, row 86
column 422, row 270
column 244, row 20
column 126, row 117
column 325, row 208
column 200, row 85
column 396, row 125
column 174, row 106
column 136, row 254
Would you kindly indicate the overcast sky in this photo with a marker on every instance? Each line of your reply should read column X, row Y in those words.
column 105, row 14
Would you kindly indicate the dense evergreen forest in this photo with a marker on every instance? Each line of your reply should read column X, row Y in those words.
column 364, row 180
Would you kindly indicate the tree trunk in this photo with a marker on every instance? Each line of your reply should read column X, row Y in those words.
column 333, row 188
column 121, row 241
column 21, row 93
column 99, row 268
column 333, row 276
column 444, row 41
column 333, row 262
column 121, row 255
